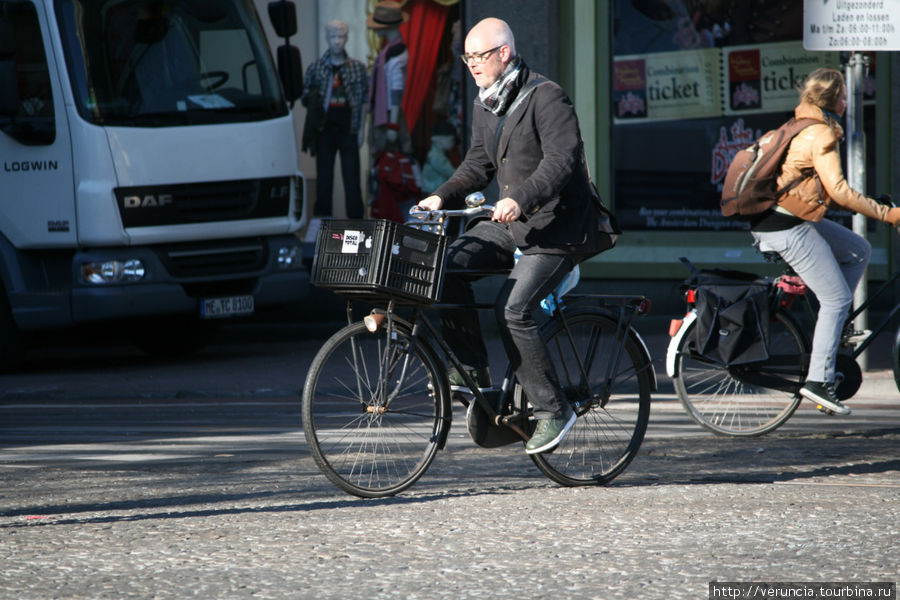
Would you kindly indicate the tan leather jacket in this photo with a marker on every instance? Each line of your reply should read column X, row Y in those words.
column 817, row 147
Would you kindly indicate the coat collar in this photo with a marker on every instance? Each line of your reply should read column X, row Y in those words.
column 805, row 110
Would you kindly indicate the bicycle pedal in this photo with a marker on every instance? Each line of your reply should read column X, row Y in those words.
column 824, row 410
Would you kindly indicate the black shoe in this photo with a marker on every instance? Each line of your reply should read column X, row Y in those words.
column 823, row 393
column 481, row 376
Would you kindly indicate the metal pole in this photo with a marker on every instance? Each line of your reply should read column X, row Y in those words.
column 856, row 168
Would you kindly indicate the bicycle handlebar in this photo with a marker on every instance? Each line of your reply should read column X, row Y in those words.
column 886, row 200
column 424, row 213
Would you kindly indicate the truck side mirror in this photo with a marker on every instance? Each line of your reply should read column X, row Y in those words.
column 291, row 71
column 283, row 15
column 9, row 85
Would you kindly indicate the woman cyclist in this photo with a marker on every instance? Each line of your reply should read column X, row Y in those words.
column 830, row 258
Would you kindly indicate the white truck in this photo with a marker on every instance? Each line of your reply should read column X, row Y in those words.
column 148, row 168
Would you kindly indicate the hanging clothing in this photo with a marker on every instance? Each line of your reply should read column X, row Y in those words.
column 395, row 178
column 388, row 81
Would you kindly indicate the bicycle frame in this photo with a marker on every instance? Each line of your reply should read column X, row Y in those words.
column 861, row 347
column 628, row 308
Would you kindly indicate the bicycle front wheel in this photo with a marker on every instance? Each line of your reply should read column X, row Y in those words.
column 895, row 358
column 375, row 410
column 613, row 411
column 744, row 400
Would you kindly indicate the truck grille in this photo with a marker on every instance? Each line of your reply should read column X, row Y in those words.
column 148, row 206
column 233, row 257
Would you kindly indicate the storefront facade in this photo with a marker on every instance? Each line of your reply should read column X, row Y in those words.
column 679, row 87
column 666, row 91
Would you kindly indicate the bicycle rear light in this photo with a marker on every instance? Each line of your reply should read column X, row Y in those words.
column 644, row 307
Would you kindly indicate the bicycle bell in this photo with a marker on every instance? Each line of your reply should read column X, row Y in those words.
column 475, row 199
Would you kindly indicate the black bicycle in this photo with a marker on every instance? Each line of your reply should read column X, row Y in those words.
column 377, row 405
column 755, row 397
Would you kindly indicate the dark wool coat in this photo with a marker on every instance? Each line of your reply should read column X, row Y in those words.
column 539, row 162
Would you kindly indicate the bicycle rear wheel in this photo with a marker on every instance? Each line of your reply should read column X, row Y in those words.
column 745, row 400
column 607, row 435
column 375, row 410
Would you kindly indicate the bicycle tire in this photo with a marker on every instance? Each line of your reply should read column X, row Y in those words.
column 605, row 438
column 362, row 447
column 895, row 358
column 746, row 400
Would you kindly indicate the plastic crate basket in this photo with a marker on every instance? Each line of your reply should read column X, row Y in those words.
column 374, row 258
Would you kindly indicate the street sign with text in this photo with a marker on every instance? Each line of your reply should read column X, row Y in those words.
column 855, row 25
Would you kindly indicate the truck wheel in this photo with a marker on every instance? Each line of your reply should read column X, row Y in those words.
column 12, row 346
column 173, row 336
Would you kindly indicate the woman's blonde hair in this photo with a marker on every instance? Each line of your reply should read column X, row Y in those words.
column 822, row 88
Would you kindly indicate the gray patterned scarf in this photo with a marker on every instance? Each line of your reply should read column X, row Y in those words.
column 500, row 95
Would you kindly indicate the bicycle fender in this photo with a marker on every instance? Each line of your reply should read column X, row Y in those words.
column 648, row 362
column 675, row 342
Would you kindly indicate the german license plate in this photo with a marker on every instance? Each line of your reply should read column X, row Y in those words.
column 216, row 308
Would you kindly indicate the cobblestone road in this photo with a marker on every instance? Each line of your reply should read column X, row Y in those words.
column 161, row 495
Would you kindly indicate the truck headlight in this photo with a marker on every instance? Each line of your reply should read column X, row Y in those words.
column 113, row 271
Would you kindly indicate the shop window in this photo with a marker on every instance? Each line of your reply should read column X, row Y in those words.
column 693, row 82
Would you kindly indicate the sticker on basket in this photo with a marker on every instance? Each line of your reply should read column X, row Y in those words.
column 395, row 249
column 351, row 241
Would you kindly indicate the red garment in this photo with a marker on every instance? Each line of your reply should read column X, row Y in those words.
column 396, row 184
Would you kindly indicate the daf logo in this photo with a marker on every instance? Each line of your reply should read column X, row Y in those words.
column 157, row 200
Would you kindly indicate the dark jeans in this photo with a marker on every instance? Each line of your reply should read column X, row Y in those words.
column 489, row 245
column 333, row 139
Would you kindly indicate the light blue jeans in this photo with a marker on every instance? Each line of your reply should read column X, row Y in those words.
column 831, row 260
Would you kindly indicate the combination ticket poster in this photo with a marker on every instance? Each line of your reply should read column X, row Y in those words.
column 667, row 85
column 765, row 78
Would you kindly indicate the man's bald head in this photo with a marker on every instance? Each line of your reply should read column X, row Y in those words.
column 491, row 40
column 493, row 32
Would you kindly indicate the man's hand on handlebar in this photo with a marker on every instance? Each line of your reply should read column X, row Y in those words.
column 506, row 211
column 431, row 203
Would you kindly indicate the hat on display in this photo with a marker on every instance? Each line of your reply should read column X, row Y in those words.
column 387, row 14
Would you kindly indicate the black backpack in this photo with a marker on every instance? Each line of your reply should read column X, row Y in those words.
column 750, row 182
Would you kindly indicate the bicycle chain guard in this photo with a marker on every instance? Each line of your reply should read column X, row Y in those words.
column 482, row 431
column 849, row 376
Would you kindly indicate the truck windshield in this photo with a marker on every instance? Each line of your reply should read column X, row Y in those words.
column 149, row 63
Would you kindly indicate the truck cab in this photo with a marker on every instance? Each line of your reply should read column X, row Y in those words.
column 149, row 168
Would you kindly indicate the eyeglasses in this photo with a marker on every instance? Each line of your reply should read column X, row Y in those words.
column 478, row 57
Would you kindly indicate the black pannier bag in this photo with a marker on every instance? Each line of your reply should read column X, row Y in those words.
column 733, row 315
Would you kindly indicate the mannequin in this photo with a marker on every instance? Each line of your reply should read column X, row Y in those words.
column 388, row 80
column 335, row 91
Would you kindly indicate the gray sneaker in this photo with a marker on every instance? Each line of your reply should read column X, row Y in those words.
column 549, row 433
column 482, row 377
column 823, row 393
